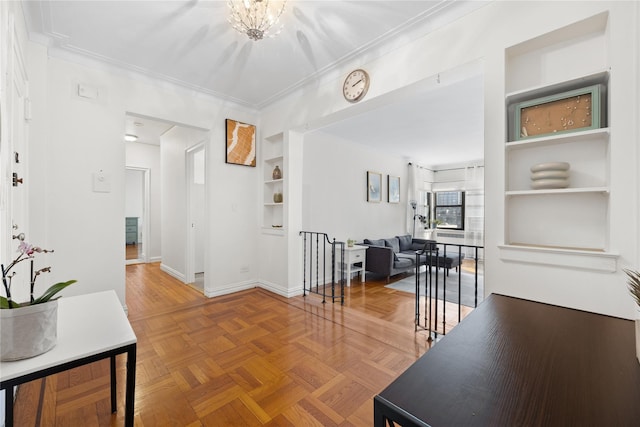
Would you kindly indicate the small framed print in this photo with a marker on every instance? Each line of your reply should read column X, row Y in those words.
column 241, row 143
column 393, row 189
column 374, row 187
column 571, row 111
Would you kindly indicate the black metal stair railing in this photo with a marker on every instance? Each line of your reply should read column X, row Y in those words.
column 431, row 250
column 315, row 270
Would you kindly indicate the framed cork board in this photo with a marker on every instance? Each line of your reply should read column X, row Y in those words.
column 571, row 111
column 241, row 143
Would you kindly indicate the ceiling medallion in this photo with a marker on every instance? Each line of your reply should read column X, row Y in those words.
column 256, row 18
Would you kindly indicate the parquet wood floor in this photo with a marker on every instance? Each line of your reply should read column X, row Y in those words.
column 248, row 359
column 131, row 251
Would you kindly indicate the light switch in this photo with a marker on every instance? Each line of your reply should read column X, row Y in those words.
column 85, row 91
column 101, row 182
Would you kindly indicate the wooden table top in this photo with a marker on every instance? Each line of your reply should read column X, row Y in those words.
column 514, row 362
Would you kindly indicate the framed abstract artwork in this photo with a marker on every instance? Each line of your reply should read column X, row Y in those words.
column 241, row 143
column 393, row 189
column 374, row 187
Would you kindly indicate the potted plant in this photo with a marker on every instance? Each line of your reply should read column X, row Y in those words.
column 28, row 328
column 634, row 288
column 435, row 223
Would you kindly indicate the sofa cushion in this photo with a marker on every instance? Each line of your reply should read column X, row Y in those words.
column 403, row 263
column 378, row 242
column 393, row 243
column 405, row 242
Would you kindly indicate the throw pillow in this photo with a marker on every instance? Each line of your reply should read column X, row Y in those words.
column 393, row 243
column 405, row 242
column 378, row 242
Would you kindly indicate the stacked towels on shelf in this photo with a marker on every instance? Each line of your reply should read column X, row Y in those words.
column 550, row 175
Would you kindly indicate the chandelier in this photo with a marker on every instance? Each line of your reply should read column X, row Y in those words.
column 256, row 18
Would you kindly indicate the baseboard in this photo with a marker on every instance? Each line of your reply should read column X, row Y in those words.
column 173, row 273
column 155, row 259
column 250, row 284
column 277, row 289
column 230, row 289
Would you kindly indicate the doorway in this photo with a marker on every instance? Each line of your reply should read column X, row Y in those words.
column 136, row 215
column 196, row 224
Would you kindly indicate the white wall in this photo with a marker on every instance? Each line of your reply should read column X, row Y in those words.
column 334, row 190
column 72, row 138
column 173, row 158
column 85, row 226
column 147, row 156
column 485, row 35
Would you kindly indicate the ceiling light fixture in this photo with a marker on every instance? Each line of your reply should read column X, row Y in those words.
column 256, row 18
column 130, row 137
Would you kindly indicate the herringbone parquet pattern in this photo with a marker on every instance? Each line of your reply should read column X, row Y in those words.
column 247, row 359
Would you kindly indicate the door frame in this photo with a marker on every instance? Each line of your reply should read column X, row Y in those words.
column 190, row 274
column 144, row 256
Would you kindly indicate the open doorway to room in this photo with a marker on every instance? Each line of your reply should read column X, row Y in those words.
column 195, row 187
column 437, row 126
column 136, row 214
column 165, row 164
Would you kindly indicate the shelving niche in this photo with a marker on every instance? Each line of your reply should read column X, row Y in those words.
column 273, row 218
column 569, row 225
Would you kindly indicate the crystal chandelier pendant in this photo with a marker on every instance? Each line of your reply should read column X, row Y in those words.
column 256, row 18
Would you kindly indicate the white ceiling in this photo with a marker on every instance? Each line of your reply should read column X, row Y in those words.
column 190, row 43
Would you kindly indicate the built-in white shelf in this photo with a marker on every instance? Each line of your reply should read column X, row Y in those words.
column 273, row 212
column 275, row 231
column 569, row 226
column 274, row 181
column 274, row 160
column 603, row 190
column 586, row 259
column 564, row 138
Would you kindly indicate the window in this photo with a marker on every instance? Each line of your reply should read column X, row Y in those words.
column 424, row 208
column 449, row 209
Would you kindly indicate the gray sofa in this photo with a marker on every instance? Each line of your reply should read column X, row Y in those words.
column 394, row 255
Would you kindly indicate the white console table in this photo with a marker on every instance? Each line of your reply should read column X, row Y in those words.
column 354, row 255
column 91, row 327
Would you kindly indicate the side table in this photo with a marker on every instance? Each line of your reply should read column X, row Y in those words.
column 91, row 327
column 355, row 261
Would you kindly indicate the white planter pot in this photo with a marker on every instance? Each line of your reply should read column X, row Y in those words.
column 28, row 331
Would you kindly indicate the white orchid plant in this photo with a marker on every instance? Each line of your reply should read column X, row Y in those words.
column 26, row 252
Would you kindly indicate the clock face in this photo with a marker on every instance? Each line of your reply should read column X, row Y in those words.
column 355, row 85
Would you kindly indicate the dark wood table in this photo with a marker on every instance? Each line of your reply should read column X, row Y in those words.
column 514, row 362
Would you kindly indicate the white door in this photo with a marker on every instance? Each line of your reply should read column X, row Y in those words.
column 14, row 156
column 196, row 183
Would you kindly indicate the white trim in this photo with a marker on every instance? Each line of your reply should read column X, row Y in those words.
column 190, row 272
column 279, row 290
column 605, row 262
column 252, row 284
column 231, row 289
column 173, row 273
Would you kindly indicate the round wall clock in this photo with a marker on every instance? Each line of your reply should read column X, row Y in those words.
column 355, row 85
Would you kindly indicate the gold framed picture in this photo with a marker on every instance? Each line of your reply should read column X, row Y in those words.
column 241, row 143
